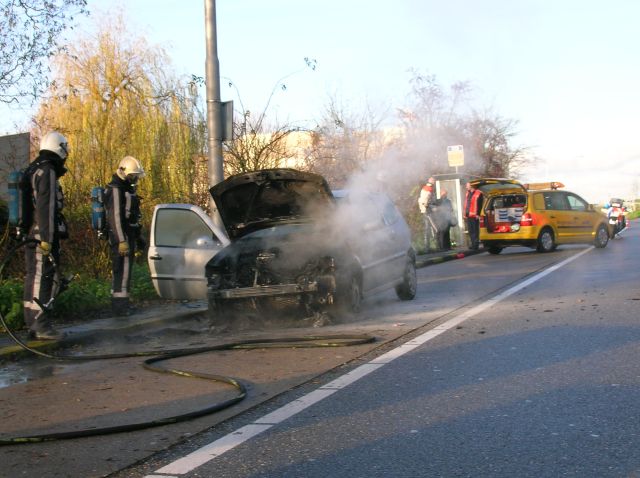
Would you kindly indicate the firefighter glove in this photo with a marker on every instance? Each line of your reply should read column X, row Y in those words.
column 45, row 248
column 123, row 248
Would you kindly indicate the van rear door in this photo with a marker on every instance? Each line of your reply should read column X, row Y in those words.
column 183, row 239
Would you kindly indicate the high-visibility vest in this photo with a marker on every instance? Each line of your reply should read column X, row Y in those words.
column 471, row 203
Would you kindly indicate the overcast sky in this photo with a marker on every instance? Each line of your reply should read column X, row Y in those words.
column 567, row 70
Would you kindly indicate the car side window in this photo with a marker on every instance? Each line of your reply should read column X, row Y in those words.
column 576, row 203
column 180, row 228
column 555, row 201
column 389, row 212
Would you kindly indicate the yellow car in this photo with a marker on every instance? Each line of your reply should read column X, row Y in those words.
column 540, row 216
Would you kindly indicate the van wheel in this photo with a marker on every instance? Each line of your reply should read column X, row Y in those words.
column 407, row 289
column 546, row 241
column 602, row 237
column 495, row 249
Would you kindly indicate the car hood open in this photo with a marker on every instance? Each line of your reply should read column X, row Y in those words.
column 259, row 199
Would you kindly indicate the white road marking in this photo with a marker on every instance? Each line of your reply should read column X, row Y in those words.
column 216, row 448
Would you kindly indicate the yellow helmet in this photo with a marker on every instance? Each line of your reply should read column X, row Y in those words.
column 130, row 169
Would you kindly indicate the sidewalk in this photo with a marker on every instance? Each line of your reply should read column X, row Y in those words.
column 170, row 314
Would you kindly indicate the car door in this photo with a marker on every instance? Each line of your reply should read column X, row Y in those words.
column 561, row 216
column 385, row 244
column 183, row 239
column 584, row 218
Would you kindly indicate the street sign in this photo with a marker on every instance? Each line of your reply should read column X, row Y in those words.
column 455, row 155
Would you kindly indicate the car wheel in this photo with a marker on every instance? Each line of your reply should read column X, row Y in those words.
column 495, row 249
column 349, row 297
column 407, row 289
column 602, row 237
column 546, row 241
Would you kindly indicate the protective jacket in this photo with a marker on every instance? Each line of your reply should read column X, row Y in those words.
column 472, row 203
column 123, row 211
column 426, row 198
column 48, row 199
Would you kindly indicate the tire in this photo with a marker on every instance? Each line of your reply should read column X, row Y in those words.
column 349, row 299
column 546, row 241
column 602, row 237
column 495, row 249
column 407, row 289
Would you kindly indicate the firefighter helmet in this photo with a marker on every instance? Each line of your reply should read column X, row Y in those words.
column 130, row 169
column 56, row 143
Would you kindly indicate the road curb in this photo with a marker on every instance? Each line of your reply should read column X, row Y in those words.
column 449, row 256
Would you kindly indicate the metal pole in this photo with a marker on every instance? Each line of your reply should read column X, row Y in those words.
column 214, row 120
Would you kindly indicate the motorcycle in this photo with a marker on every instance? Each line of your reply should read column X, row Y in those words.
column 617, row 218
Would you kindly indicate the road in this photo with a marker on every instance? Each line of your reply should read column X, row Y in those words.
column 521, row 364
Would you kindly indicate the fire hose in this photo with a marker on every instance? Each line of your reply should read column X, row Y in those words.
column 153, row 365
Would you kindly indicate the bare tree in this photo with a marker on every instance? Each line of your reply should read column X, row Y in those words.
column 491, row 139
column 258, row 143
column 31, row 30
column 345, row 143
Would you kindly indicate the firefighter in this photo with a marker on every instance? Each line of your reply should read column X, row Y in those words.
column 42, row 278
column 426, row 203
column 122, row 206
column 472, row 208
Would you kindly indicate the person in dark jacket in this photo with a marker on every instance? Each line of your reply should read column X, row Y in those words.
column 42, row 259
column 444, row 218
column 122, row 206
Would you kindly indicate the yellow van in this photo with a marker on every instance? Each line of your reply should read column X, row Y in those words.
column 540, row 216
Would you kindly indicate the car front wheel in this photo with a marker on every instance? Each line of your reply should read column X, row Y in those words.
column 407, row 289
column 349, row 297
column 495, row 249
column 602, row 237
column 546, row 241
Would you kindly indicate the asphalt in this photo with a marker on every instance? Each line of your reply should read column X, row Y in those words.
column 154, row 317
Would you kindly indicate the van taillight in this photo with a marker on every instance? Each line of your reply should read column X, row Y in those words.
column 526, row 220
column 481, row 221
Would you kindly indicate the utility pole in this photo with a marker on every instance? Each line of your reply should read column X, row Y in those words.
column 214, row 118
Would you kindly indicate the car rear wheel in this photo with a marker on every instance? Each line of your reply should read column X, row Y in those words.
column 407, row 289
column 546, row 241
column 602, row 237
column 495, row 249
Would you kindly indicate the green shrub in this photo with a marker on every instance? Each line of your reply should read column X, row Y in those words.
column 11, row 303
column 85, row 297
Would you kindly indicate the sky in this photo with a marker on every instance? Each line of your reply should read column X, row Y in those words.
column 566, row 70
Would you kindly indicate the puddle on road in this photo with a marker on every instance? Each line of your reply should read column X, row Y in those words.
column 33, row 368
column 28, row 370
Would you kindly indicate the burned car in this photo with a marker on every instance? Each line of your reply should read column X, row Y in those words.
column 297, row 247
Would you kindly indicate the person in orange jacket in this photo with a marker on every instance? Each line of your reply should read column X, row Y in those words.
column 472, row 207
